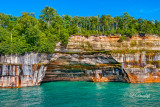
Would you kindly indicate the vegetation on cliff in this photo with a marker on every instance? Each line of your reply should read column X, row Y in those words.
column 28, row 34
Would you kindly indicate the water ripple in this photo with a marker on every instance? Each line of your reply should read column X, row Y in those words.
column 69, row 94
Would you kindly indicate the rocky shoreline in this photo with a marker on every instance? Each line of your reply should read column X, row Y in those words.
column 74, row 63
column 100, row 67
column 22, row 71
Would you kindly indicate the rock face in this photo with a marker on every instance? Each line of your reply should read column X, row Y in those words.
column 110, row 43
column 140, row 67
column 102, row 67
column 82, row 60
column 22, row 71
column 149, row 74
column 96, row 67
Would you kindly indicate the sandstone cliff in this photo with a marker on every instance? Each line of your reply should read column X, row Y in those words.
column 94, row 58
column 110, row 43
column 22, row 70
column 138, row 56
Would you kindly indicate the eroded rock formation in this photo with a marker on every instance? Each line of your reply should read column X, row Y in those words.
column 22, row 71
column 82, row 60
column 110, row 43
column 134, row 64
column 97, row 67
column 140, row 67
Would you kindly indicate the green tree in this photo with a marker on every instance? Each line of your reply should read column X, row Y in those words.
column 48, row 14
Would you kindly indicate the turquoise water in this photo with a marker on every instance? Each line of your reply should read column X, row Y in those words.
column 79, row 94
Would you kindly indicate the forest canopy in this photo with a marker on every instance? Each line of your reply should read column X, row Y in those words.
column 28, row 34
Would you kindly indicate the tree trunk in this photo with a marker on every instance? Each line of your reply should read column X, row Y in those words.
column 59, row 30
column 78, row 28
column 116, row 26
column 103, row 29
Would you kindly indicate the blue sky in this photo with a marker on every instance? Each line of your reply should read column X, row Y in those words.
column 146, row 9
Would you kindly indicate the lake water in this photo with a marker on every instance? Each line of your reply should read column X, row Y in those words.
column 82, row 94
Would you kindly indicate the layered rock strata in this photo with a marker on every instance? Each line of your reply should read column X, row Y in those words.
column 140, row 67
column 96, row 67
column 23, row 70
column 82, row 59
column 110, row 43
